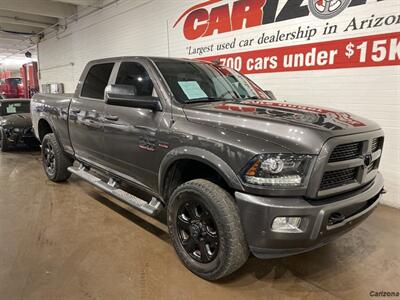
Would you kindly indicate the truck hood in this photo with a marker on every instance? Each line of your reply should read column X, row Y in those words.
column 16, row 120
column 297, row 127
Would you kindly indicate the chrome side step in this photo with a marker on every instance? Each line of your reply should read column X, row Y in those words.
column 151, row 208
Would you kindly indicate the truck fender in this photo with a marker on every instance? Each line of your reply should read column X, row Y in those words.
column 48, row 120
column 201, row 155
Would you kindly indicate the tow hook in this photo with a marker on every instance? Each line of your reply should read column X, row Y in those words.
column 336, row 218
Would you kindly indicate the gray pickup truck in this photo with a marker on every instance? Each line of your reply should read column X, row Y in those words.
column 237, row 171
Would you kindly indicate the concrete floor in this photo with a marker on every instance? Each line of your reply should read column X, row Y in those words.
column 69, row 241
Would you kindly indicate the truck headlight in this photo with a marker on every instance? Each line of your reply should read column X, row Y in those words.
column 278, row 170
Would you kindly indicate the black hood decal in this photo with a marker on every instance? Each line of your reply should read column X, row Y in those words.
column 298, row 113
column 301, row 128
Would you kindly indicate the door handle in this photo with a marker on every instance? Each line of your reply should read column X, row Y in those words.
column 112, row 118
column 75, row 110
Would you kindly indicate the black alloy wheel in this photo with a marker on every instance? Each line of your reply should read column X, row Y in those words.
column 197, row 231
column 206, row 230
column 49, row 159
column 55, row 161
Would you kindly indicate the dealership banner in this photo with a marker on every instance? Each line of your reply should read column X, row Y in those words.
column 369, row 51
column 263, row 36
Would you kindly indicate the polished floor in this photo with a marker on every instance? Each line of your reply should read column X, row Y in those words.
column 69, row 241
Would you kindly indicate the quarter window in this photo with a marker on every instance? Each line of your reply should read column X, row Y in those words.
column 96, row 81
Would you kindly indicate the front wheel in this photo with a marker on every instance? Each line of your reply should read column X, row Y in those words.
column 3, row 141
column 55, row 162
column 205, row 229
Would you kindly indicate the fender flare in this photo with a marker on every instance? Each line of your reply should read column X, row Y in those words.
column 48, row 120
column 200, row 155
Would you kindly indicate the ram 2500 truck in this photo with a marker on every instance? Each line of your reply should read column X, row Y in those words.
column 237, row 172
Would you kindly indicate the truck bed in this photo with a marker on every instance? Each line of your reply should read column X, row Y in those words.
column 54, row 108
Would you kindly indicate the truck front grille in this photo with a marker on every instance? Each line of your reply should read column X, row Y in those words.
column 372, row 166
column 333, row 179
column 346, row 152
column 351, row 164
column 376, row 144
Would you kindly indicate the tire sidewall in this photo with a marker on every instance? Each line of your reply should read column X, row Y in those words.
column 3, row 141
column 200, row 269
column 50, row 139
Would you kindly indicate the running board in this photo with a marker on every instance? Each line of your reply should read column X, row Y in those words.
column 151, row 208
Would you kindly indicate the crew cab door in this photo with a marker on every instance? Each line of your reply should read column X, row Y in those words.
column 86, row 114
column 131, row 134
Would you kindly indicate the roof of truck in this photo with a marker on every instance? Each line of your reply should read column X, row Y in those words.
column 152, row 58
column 156, row 58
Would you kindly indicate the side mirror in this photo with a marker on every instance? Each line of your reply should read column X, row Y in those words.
column 125, row 95
column 270, row 94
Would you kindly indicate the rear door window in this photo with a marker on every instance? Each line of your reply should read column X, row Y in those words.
column 96, row 81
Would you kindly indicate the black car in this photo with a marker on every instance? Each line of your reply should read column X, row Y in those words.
column 16, row 124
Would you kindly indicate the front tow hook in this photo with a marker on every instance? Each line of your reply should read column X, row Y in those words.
column 336, row 218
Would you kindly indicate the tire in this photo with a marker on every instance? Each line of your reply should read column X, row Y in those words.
column 3, row 142
column 214, row 203
column 327, row 14
column 55, row 162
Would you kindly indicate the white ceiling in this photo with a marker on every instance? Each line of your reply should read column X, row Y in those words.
column 20, row 20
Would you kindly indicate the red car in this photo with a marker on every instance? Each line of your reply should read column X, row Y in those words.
column 12, row 88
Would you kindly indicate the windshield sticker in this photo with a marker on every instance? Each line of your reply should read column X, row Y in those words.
column 11, row 109
column 192, row 89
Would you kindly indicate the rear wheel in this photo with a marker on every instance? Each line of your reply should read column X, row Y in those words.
column 205, row 229
column 3, row 141
column 55, row 162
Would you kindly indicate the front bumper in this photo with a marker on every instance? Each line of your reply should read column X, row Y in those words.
column 23, row 137
column 257, row 214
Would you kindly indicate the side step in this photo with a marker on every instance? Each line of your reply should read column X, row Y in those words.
column 152, row 208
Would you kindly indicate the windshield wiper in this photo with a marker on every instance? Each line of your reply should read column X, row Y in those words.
column 206, row 99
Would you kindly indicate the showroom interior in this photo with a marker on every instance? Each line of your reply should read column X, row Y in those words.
column 220, row 149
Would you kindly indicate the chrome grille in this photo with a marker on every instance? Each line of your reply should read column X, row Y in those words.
column 333, row 179
column 346, row 152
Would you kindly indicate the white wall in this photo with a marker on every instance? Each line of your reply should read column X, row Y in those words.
column 14, row 64
column 144, row 27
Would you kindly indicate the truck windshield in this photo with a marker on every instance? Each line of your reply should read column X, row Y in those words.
column 14, row 108
column 13, row 82
column 192, row 82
